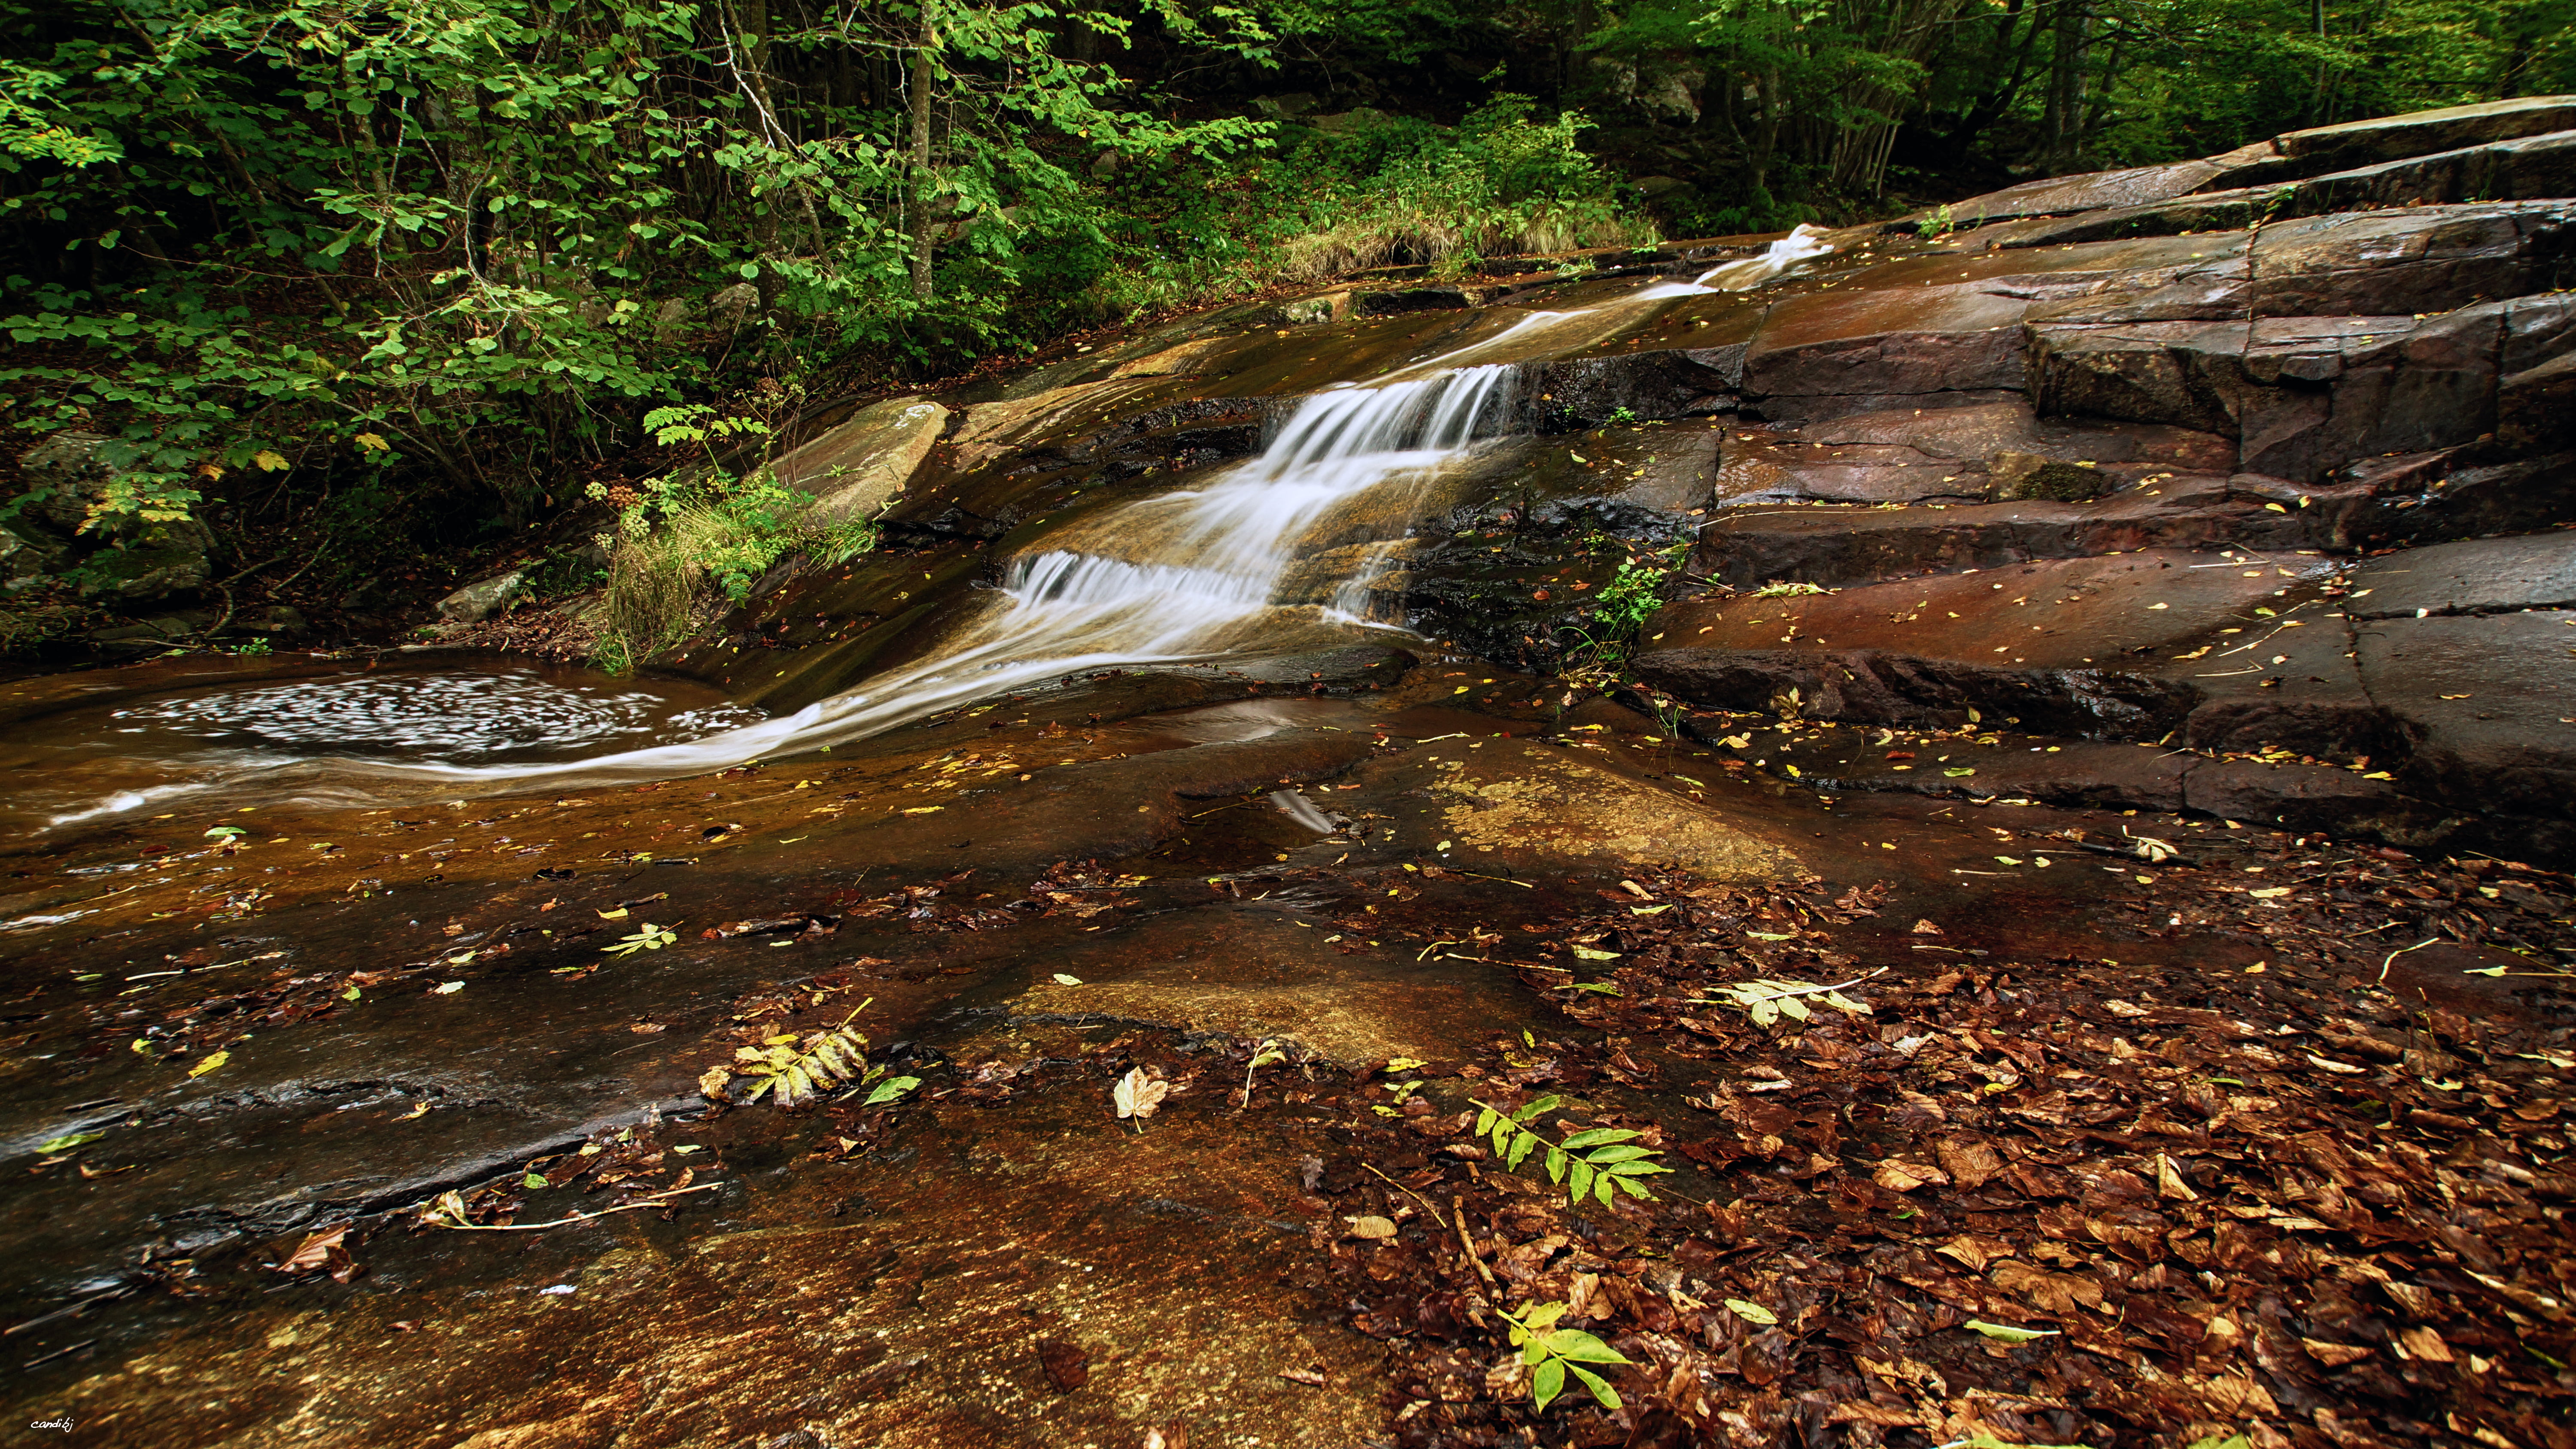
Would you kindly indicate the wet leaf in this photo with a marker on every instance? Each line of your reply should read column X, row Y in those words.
column 210, row 1063
column 1751, row 1312
column 889, row 1089
column 1061, row 979
column 67, row 1142
column 1370, row 1228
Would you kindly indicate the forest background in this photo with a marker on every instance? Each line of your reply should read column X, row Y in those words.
column 385, row 285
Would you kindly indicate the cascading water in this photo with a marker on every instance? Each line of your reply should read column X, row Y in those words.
column 1188, row 576
column 1184, row 576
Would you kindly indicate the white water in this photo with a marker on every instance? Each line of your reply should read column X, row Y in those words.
column 1802, row 243
column 1184, row 576
column 1560, row 333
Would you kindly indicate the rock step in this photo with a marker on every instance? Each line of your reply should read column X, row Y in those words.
column 2445, row 674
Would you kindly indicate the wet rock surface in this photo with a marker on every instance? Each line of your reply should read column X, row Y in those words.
column 2025, row 766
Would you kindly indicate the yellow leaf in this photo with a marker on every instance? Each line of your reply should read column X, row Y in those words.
column 2272, row 894
column 616, row 915
column 270, row 460
column 209, row 1064
column 925, row 809
column 373, row 442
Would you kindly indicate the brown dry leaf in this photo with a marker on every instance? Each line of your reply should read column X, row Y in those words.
column 1894, row 1416
column 2334, row 1355
column 1907, row 1176
column 1174, row 1435
column 1970, row 1161
column 1312, row 1378
column 2055, row 1292
column 1371, row 1228
column 1067, row 1365
column 2170, row 1183
column 315, row 1251
column 2425, row 1344
column 1974, row 1251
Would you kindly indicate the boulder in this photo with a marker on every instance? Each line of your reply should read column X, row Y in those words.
column 483, row 598
column 119, row 554
column 26, row 557
column 857, row 468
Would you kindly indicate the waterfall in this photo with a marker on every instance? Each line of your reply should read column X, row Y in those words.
column 1187, row 576
column 1193, row 575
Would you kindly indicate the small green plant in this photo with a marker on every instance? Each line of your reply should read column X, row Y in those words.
column 1787, row 591
column 1268, row 1053
column 651, row 938
column 791, row 1070
column 1632, row 595
column 1552, row 1353
column 1937, row 225
column 1589, row 1164
column 1622, row 414
column 251, row 648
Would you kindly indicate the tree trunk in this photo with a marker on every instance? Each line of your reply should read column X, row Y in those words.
column 2066, row 88
column 918, row 222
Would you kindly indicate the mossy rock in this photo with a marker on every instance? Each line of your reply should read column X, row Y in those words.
column 2022, row 476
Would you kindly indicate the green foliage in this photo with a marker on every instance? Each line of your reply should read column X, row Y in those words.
column 1374, row 190
column 1552, row 1353
column 458, row 240
column 1935, row 226
column 1589, row 1164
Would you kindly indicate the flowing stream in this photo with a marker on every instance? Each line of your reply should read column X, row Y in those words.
column 1185, row 576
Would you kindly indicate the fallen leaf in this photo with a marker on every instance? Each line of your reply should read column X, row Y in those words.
column 1138, row 1095
column 210, row 1063
column 2006, row 1333
column 1751, row 1312
column 1067, row 1366
column 1370, row 1227
column 1907, row 1176
column 1062, row 979
column 315, row 1251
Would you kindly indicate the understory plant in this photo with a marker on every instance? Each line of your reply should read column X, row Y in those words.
column 701, row 537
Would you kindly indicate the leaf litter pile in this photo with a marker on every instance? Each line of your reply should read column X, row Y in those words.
column 2051, row 1202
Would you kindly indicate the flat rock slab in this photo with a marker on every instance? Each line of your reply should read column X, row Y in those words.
column 1764, row 542
column 2053, row 614
column 2476, row 576
column 2493, row 696
column 2418, row 133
